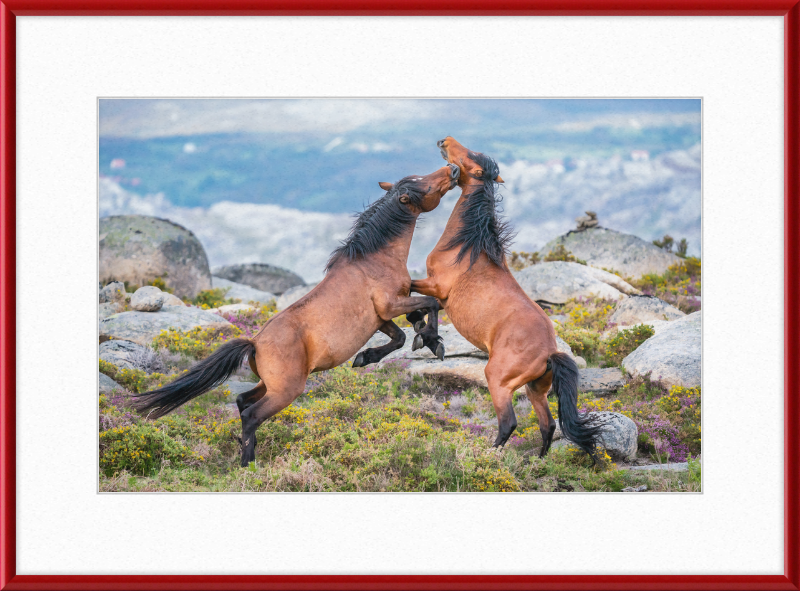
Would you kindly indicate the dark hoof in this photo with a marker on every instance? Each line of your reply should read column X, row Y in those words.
column 359, row 360
column 417, row 344
column 440, row 351
column 419, row 325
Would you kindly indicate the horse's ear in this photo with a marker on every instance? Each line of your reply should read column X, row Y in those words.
column 404, row 198
column 499, row 179
column 386, row 186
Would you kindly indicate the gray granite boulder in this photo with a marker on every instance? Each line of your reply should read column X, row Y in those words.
column 140, row 249
column 119, row 352
column 107, row 385
column 109, row 308
column 260, row 276
column 114, row 292
column 557, row 282
column 618, row 435
column 628, row 254
column 600, row 381
column 171, row 299
column 147, row 299
column 240, row 291
column 143, row 327
column 673, row 355
column 639, row 309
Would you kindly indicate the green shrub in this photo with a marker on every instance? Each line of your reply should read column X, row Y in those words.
column 520, row 260
column 624, row 342
column 134, row 380
column 583, row 341
column 213, row 298
column 559, row 253
column 196, row 343
column 139, row 449
column 678, row 285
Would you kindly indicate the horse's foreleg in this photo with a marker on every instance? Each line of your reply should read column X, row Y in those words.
column 375, row 354
column 429, row 335
column 537, row 394
column 428, row 287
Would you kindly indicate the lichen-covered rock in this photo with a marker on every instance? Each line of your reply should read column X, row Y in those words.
column 109, row 308
column 639, row 309
column 618, row 435
column 240, row 291
column 600, row 381
column 292, row 295
column 143, row 327
column 147, row 299
column 557, row 282
column 672, row 356
column 114, row 292
column 107, row 385
column 628, row 254
column 260, row 276
column 140, row 249
column 171, row 299
column 119, row 352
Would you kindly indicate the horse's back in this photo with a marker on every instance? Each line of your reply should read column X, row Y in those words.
column 333, row 321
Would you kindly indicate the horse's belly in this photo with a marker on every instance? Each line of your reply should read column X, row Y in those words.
column 340, row 344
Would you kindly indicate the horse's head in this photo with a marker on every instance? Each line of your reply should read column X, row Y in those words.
column 475, row 167
column 423, row 193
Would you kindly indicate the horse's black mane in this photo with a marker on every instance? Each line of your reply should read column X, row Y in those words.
column 381, row 222
column 482, row 227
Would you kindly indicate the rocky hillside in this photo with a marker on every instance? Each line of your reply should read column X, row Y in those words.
column 637, row 342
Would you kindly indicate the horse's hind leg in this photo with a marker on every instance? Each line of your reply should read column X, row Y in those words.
column 537, row 394
column 375, row 354
column 247, row 399
column 280, row 393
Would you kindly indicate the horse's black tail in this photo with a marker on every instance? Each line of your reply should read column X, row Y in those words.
column 580, row 430
column 205, row 375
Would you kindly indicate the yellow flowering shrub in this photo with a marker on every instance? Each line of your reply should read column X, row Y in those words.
column 197, row 342
column 139, row 449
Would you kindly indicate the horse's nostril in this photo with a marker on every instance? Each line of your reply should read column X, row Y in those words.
column 453, row 170
column 440, row 143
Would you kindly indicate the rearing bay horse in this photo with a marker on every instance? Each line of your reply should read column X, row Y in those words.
column 468, row 274
column 367, row 283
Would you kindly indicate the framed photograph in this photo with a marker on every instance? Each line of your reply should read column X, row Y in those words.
column 693, row 109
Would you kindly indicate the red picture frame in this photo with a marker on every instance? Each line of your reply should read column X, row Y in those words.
column 789, row 9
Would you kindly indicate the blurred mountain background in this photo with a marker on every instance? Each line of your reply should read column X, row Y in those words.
column 277, row 181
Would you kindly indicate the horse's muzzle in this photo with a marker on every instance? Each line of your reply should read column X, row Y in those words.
column 454, row 171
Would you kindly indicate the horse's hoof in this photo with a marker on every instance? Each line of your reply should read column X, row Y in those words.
column 419, row 325
column 440, row 351
column 359, row 360
column 417, row 344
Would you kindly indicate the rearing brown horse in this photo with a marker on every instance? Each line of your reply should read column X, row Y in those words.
column 367, row 283
column 468, row 274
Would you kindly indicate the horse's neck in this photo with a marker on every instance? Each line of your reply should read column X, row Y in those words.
column 399, row 248
column 454, row 221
